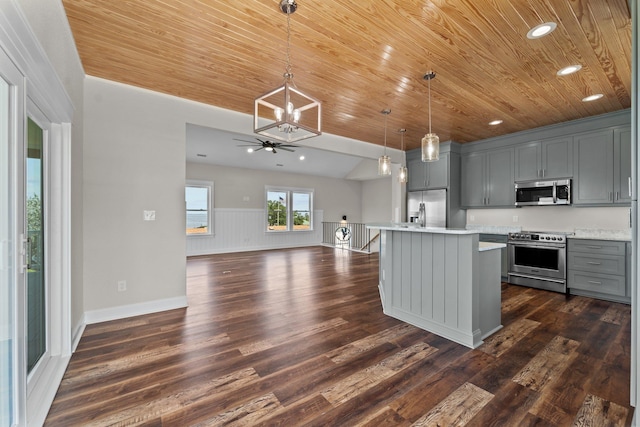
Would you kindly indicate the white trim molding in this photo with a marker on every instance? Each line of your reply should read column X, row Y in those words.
column 131, row 310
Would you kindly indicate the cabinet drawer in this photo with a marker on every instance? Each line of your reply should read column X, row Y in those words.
column 607, row 247
column 605, row 284
column 604, row 264
column 494, row 238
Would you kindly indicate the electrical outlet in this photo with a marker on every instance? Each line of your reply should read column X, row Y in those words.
column 472, row 218
column 149, row 215
column 122, row 285
column 515, row 218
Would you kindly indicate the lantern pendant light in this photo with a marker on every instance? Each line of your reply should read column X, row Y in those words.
column 430, row 142
column 403, row 174
column 384, row 162
column 286, row 113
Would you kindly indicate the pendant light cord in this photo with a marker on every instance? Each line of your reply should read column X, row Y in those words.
column 386, row 114
column 430, row 104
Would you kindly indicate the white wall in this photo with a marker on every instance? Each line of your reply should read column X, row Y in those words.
column 239, row 215
column 134, row 155
column 553, row 218
column 376, row 196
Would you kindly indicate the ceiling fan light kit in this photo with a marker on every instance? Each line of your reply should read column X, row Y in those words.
column 431, row 141
column 286, row 113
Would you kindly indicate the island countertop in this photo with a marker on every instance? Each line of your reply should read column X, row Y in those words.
column 412, row 227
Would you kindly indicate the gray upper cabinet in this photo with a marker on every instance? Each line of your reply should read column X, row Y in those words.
column 487, row 179
column 602, row 167
column 548, row 159
column 622, row 165
column 428, row 175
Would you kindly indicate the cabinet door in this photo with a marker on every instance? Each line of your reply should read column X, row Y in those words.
column 472, row 192
column 557, row 158
column 593, row 168
column 500, row 190
column 622, row 165
column 438, row 172
column 528, row 162
column 417, row 175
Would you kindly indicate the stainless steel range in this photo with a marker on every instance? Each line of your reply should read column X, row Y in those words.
column 538, row 260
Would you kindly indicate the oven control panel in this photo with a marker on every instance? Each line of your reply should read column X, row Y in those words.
column 537, row 237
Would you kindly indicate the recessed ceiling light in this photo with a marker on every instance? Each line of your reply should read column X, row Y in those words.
column 249, row 150
column 569, row 70
column 301, row 157
column 495, row 122
column 592, row 97
column 541, row 30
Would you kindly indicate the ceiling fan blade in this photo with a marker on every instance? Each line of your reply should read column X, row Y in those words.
column 282, row 147
column 287, row 145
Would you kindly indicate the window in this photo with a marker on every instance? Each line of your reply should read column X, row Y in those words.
column 198, row 198
column 289, row 209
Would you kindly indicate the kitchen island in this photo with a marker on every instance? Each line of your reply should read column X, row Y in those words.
column 441, row 280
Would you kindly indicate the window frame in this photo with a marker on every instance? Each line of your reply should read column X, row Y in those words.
column 210, row 223
column 289, row 191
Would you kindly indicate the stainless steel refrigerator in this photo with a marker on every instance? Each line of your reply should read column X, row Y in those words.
column 435, row 207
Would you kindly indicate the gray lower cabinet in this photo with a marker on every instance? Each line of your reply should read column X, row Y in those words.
column 548, row 159
column 598, row 268
column 498, row 238
column 602, row 167
column 487, row 179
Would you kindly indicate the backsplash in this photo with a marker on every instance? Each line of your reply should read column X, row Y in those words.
column 552, row 218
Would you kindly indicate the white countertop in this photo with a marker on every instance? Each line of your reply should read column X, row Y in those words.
column 412, row 227
column 592, row 233
column 493, row 229
column 488, row 246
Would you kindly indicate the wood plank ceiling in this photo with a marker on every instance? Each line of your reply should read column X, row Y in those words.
column 359, row 57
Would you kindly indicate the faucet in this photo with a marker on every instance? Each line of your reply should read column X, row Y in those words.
column 422, row 220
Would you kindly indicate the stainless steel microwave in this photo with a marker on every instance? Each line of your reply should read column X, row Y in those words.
column 541, row 193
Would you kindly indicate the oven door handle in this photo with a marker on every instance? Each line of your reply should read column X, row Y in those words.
column 542, row 246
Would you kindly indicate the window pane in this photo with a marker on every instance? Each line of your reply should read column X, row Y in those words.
column 301, row 211
column 197, row 202
column 277, row 210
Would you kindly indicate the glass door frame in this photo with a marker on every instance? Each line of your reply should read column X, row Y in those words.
column 38, row 117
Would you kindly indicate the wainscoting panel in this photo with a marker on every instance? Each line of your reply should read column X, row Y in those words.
column 239, row 230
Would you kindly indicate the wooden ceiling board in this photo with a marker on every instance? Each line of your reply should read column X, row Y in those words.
column 361, row 57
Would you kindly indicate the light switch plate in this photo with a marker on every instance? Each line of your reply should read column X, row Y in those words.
column 149, row 215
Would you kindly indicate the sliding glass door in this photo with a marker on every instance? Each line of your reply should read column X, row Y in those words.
column 7, row 341
column 12, row 275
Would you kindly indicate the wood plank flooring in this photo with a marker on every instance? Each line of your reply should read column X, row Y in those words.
column 297, row 337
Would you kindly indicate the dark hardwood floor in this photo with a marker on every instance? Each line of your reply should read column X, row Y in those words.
column 297, row 337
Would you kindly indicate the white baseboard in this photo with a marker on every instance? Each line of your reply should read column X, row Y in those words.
column 124, row 311
column 248, row 249
column 77, row 333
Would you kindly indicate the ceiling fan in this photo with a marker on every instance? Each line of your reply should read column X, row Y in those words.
column 267, row 145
